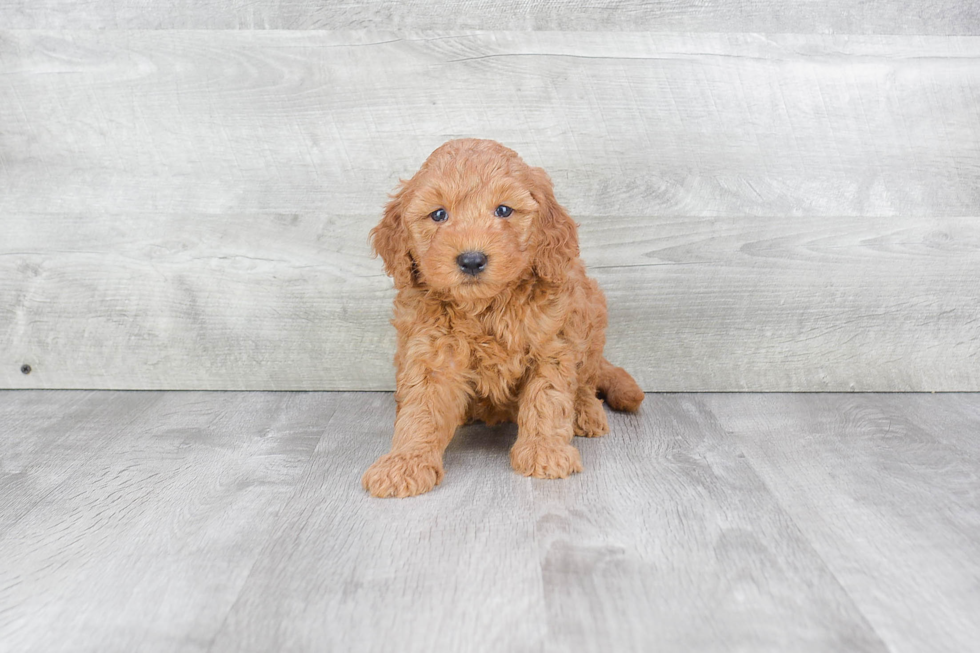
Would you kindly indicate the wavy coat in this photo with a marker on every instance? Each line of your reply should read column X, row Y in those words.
column 521, row 340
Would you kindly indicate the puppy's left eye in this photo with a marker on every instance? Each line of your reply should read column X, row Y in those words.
column 503, row 211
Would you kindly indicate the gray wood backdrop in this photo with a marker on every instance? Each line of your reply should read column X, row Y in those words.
column 775, row 196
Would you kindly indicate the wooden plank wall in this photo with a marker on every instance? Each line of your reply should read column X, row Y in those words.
column 775, row 196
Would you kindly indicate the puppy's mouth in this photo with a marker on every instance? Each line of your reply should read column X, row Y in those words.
column 471, row 285
column 475, row 287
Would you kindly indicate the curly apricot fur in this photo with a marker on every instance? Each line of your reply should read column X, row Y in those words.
column 520, row 341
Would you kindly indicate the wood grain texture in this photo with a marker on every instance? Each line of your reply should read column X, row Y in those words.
column 136, row 529
column 818, row 304
column 236, row 522
column 670, row 522
column 296, row 302
column 896, row 513
column 629, row 124
column 454, row 571
column 189, row 209
column 194, row 301
column 48, row 438
column 799, row 16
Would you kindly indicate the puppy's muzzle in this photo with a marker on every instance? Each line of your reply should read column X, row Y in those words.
column 472, row 263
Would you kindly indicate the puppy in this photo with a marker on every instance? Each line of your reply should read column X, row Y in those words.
column 496, row 318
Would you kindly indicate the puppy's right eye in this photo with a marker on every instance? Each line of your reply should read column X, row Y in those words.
column 439, row 215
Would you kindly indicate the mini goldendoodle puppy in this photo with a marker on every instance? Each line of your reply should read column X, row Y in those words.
column 496, row 318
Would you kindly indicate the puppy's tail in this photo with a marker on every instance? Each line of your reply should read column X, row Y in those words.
column 618, row 387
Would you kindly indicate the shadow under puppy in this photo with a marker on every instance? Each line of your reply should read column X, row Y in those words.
column 496, row 318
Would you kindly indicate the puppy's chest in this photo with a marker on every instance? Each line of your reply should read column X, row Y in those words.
column 499, row 355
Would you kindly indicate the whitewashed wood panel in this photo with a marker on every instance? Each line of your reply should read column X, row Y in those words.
column 842, row 304
column 796, row 16
column 296, row 302
column 194, row 301
column 627, row 124
column 190, row 209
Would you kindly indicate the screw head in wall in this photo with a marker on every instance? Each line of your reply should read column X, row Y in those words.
column 25, row 369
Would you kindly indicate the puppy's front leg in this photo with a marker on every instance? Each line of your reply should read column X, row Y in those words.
column 545, row 421
column 432, row 403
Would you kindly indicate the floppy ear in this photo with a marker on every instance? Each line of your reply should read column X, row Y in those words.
column 557, row 237
column 390, row 240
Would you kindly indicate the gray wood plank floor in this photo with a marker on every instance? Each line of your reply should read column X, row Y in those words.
column 159, row 521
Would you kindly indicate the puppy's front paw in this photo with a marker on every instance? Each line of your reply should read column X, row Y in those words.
column 401, row 474
column 547, row 459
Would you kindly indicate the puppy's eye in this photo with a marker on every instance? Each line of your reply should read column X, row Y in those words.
column 503, row 211
column 439, row 215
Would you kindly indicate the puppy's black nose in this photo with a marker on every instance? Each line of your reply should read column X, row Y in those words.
column 472, row 262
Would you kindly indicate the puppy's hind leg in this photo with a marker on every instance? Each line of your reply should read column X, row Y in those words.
column 590, row 416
